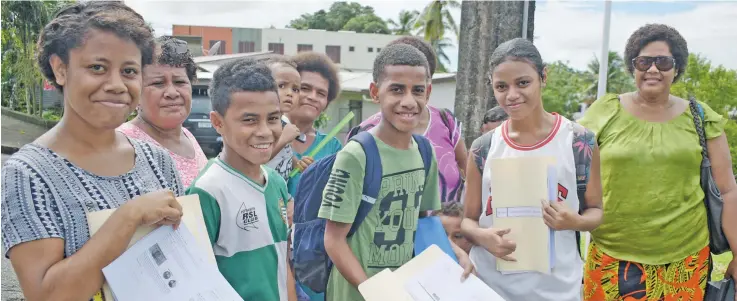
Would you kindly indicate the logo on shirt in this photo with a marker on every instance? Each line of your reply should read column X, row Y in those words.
column 335, row 188
column 246, row 218
column 283, row 210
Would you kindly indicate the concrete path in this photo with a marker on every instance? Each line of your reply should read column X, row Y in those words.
column 16, row 133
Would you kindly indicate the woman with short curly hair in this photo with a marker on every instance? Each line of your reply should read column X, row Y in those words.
column 93, row 52
column 654, row 241
column 165, row 105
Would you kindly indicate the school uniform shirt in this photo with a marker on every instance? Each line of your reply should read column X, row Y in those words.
column 564, row 282
column 385, row 239
column 246, row 223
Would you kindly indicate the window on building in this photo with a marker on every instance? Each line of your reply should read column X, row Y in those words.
column 246, row 46
column 371, row 49
column 333, row 52
column 304, row 47
column 276, row 48
column 378, row 49
column 351, row 48
column 222, row 48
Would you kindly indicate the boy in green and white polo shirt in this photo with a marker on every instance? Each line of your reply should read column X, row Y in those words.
column 244, row 202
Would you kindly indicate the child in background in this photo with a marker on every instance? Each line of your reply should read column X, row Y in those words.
column 244, row 202
column 451, row 215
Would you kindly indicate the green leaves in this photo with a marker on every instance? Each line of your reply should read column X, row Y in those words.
column 343, row 16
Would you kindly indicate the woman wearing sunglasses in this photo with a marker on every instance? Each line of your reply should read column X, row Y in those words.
column 165, row 103
column 653, row 243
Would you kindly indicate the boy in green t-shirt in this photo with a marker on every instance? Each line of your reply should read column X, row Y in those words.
column 244, row 202
column 385, row 238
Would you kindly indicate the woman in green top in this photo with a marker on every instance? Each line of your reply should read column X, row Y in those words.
column 653, row 243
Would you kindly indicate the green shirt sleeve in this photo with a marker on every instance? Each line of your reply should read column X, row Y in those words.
column 600, row 114
column 342, row 194
column 210, row 212
column 431, row 193
column 713, row 122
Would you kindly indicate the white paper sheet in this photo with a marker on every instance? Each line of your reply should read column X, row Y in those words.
column 167, row 265
column 442, row 282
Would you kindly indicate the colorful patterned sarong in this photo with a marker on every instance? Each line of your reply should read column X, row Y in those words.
column 609, row 279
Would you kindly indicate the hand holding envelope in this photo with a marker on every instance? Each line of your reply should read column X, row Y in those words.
column 493, row 240
column 558, row 216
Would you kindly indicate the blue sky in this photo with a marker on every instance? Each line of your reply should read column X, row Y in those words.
column 569, row 31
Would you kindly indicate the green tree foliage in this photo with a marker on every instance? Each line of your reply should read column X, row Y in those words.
column 563, row 92
column 405, row 22
column 22, row 21
column 716, row 86
column 434, row 22
column 343, row 16
column 618, row 80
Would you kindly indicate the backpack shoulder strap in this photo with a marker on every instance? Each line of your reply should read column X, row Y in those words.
column 371, row 178
column 582, row 146
column 425, row 151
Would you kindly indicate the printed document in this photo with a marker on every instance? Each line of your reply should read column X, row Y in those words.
column 442, row 282
column 164, row 265
column 518, row 185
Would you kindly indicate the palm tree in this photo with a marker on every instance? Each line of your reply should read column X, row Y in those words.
column 443, row 59
column 618, row 81
column 433, row 23
column 405, row 22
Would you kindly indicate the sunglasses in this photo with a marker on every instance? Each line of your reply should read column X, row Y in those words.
column 663, row 63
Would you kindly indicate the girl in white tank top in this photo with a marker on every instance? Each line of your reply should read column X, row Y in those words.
column 517, row 75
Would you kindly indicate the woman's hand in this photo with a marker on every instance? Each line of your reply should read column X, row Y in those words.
column 304, row 163
column 493, row 240
column 559, row 217
column 156, row 208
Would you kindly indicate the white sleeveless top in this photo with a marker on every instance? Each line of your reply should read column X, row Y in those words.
column 564, row 283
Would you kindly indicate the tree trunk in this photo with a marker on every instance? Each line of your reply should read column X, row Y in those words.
column 484, row 25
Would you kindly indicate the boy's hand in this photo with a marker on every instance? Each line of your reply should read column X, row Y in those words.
column 559, row 217
column 290, row 131
column 304, row 163
column 493, row 240
column 463, row 260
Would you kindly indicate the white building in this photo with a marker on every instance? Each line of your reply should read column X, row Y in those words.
column 350, row 50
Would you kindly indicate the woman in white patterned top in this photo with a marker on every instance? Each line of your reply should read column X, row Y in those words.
column 93, row 52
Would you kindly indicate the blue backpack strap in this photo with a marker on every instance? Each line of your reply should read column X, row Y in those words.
column 371, row 178
column 425, row 151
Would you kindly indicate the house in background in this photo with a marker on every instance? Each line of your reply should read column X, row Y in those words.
column 350, row 50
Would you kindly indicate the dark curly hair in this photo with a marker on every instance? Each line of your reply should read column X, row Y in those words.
column 398, row 55
column 69, row 26
column 279, row 59
column 174, row 52
column 657, row 33
column 309, row 61
column 243, row 75
column 422, row 46
column 518, row 49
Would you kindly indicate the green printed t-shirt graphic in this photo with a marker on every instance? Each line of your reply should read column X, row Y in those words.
column 385, row 239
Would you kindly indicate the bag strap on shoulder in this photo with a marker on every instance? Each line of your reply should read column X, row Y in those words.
column 371, row 178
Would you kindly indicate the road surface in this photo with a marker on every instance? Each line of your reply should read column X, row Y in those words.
column 10, row 288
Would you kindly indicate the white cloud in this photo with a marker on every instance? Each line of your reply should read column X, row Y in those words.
column 574, row 35
column 564, row 30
